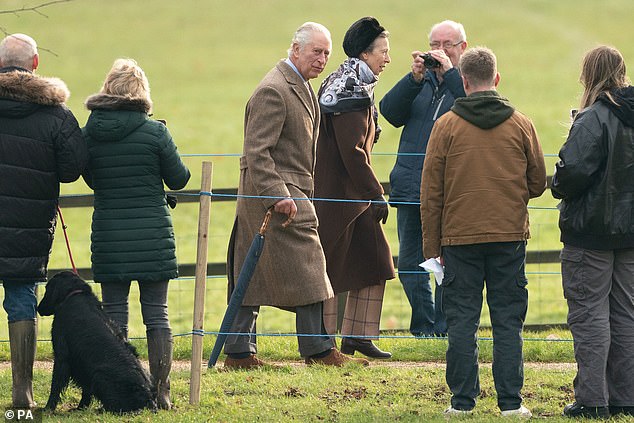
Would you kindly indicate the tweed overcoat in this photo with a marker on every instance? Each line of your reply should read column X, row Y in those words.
column 357, row 252
column 280, row 134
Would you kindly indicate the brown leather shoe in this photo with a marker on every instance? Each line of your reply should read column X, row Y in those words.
column 250, row 362
column 335, row 358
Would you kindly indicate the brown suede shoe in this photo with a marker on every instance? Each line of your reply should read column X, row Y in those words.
column 335, row 358
column 251, row 362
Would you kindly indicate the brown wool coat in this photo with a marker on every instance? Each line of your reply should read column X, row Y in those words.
column 280, row 133
column 357, row 252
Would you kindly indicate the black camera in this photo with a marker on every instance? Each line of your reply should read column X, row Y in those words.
column 429, row 61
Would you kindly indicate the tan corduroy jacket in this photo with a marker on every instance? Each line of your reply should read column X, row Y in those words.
column 476, row 182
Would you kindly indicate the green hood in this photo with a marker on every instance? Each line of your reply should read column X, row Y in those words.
column 113, row 125
column 113, row 117
column 484, row 109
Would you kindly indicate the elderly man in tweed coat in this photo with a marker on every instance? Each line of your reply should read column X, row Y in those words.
column 280, row 133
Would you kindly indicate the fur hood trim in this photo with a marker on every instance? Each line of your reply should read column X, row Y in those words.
column 31, row 88
column 118, row 102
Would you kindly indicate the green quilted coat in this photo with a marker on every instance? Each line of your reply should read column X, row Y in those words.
column 131, row 156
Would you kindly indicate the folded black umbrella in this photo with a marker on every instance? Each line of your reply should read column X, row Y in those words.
column 240, row 288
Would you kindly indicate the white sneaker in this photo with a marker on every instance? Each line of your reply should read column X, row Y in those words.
column 455, row 412
column 521, row 412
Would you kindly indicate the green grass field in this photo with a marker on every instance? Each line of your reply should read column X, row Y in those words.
column 203, row 59
column 407, row 388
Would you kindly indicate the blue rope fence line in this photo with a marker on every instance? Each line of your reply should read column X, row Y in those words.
column 373, row 153
column 404, row 272
column 438, row 338
column 481, row 338
column 334, row 200
column 307, row 335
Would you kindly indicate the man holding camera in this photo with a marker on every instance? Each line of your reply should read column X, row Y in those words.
column 415, row 103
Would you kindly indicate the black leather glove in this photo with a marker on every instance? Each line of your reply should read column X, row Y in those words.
column 171, row 200
column 380, row 209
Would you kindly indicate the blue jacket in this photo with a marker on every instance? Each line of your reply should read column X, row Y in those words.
column 416, row 106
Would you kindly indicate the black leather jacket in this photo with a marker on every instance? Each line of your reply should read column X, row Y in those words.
column 595, row 176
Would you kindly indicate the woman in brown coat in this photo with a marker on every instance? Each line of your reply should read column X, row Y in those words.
column 358, row 257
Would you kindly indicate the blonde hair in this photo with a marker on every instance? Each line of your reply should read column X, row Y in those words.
column 603, row 69
column 127, row 79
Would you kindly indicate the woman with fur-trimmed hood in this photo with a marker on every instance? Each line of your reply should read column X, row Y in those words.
column 131, row 157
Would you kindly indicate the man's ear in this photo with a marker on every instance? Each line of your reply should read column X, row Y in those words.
column 496, row 81
column 465, row 82
column 295, row 49
column 36, row 61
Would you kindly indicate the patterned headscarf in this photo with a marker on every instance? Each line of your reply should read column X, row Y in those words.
column 350, row 88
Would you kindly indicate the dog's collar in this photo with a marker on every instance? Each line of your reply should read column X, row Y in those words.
column 75, row 292
column 70, row 294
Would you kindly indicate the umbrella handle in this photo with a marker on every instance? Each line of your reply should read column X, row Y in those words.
column 265, row 223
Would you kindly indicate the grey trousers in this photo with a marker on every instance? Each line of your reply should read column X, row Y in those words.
column 309, row 325
column 153, row 298
column 599, row 288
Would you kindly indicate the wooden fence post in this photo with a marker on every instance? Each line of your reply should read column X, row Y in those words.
column 199, row 290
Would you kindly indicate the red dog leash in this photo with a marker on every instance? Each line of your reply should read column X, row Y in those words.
column 70, row 254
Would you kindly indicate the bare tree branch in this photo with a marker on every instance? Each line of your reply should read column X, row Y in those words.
column 34, row 9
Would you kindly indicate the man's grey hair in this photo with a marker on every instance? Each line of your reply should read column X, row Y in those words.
column 304, row 35
column 455, row 25
column 18, row 50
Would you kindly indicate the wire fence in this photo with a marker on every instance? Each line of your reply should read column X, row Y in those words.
column 546, row 304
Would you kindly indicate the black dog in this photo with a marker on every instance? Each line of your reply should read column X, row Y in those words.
column 90, row 349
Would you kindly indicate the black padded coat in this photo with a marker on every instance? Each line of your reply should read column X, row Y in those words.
column 131, row 156
column 40, row 146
